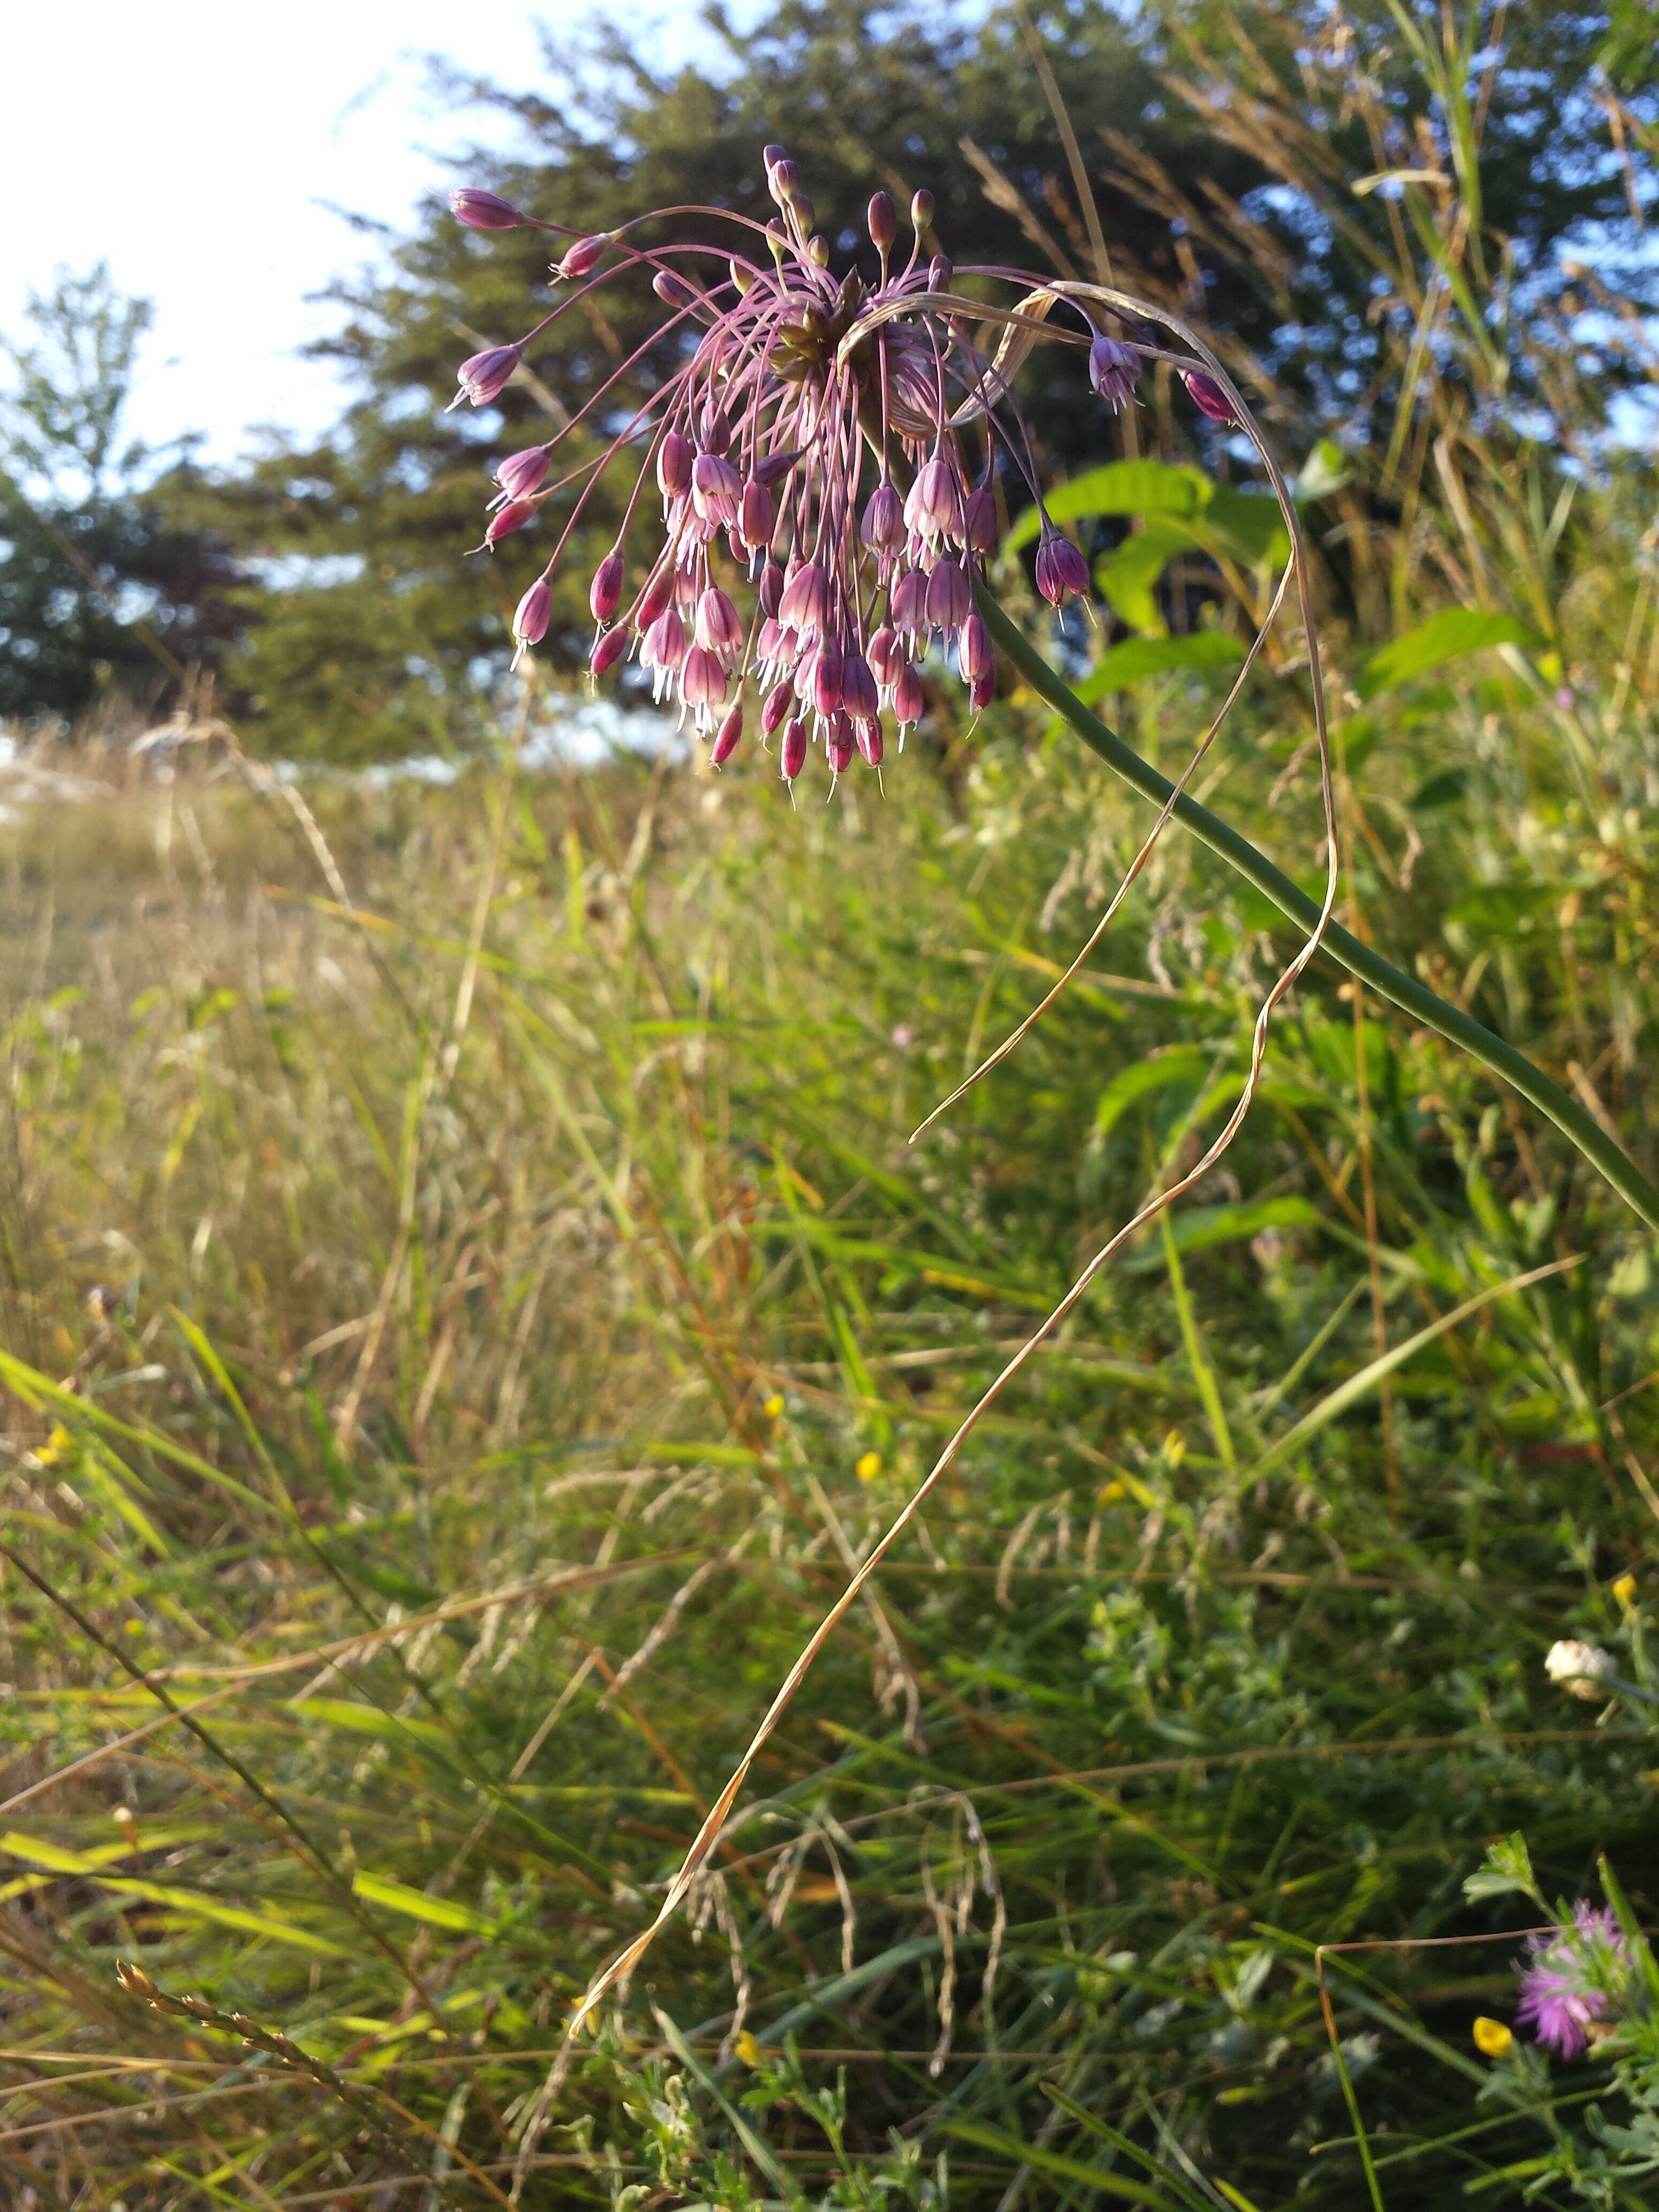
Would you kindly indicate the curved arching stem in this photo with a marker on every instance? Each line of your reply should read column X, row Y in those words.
column 1579, row 1127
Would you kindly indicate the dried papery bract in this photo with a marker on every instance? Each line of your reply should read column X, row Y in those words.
column 878, row 423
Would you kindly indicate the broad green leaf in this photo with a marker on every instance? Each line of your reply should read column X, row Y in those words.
column 1126, row 576
column 1325, row 471
column 1141, row 487
column 1182, row 1063
column 1451, row 634
column 436, row 1911
column 1246, row 526
column 1140, row 657
column 1196, row 1228
column 1503, row 909
column 1442, row 790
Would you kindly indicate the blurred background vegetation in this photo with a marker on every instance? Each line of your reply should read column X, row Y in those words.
column 467, row 1294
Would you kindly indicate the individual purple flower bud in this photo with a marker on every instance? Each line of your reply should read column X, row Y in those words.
column 982, row 691
column 805, row 599
column 702, row 679
column 481, row 210
column 868, row 735
column 771, row 588
column 949, row 596
column 940, row 270
column 803, row 210
column 673, row 291
column 979, row 519
column 838, row 744
column 974, row 650
column 908, row 697
column 886, row 654
column 716, row 488
column 714, row 429
column 530, row 617
column 883, row 219
column 783, row 180
column 605, row 593
column 773, row 154
column 858, row 694
column 584, row 257
column 757, row 515
column 1113, row 369
column 793, row 758
column 663, row 648
column 1062, row 573
column 829, row 678
column 933, row 506
column 608, row 651
column 883, row 526
column 921, row 210
column 725, row 743
column 720, row 626
column 482, row 376
column 657, row 594
column 521, row 473
column 1207, row 396
column 506, row 520
column 687, row 589
column 675, row 457
column 776, row 707
column 772, row 468
column 908, row 602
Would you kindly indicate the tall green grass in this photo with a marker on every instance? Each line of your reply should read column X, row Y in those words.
column 459, row 1334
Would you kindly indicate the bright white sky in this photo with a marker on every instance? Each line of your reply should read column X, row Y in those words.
column 194, row 142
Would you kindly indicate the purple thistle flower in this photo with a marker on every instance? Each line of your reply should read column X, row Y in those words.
column 836, row 439
column 1565, row 1987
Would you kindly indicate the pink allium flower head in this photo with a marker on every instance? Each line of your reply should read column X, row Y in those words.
column 481, row 376
column 1113, row 369
column 605, row 593
column 584, row 257
column 1207, row 396
column 1062, row 573
column 530, row 620
column 838, row 435
column 1566, row 1983
column 481, row 210
column 521, row 473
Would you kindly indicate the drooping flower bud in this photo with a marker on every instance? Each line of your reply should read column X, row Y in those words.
column 608, row 651
column 783, row 180
column 1113, row 369
column 793, row 757
column 663, row 648
column 806, row 599
column 1208, row 397
column 521, row 473
column 838, row 744
column 673, row 291
column 702, row 679
column 883, row 526
column 482, row 376
column 716, row 488
column 585, row 256
column 949, row 596
column 868, row 735
column 974, row 650
column 481, row 210
column 829, row 678
column 675, row 458
column 757, row 515
column 506, row 520
column 982, row 691
column 940, row 270
column 714, row 429
column 908, row 698
column 771, row 589
column 908, row 602
column 776, row 707
column 933, row 506
column 604, row 593
column 1061, row 571
column 772, row 468
column 921, row 208
column 883, row 218
column 530, row 617
column 979, row 519
column 886, row 654
column 657, row 594
column 858, row 694
column 720, row 627
column 725, row 743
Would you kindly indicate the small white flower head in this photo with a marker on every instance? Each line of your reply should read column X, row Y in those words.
column 1579, row 1668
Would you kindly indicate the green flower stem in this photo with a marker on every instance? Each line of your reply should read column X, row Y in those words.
column 1383, row 977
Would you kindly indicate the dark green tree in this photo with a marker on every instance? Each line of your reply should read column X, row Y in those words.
column 105, row 577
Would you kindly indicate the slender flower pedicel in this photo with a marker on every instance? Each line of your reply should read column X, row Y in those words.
column 825, row 448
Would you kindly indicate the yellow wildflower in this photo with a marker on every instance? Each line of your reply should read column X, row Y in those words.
column 1112, row 1493
column 772, row 1408
column 747, row 2048
column 869, row 1466
column 1492, row 2039
column 57, row 1444
column 1624, row 1591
